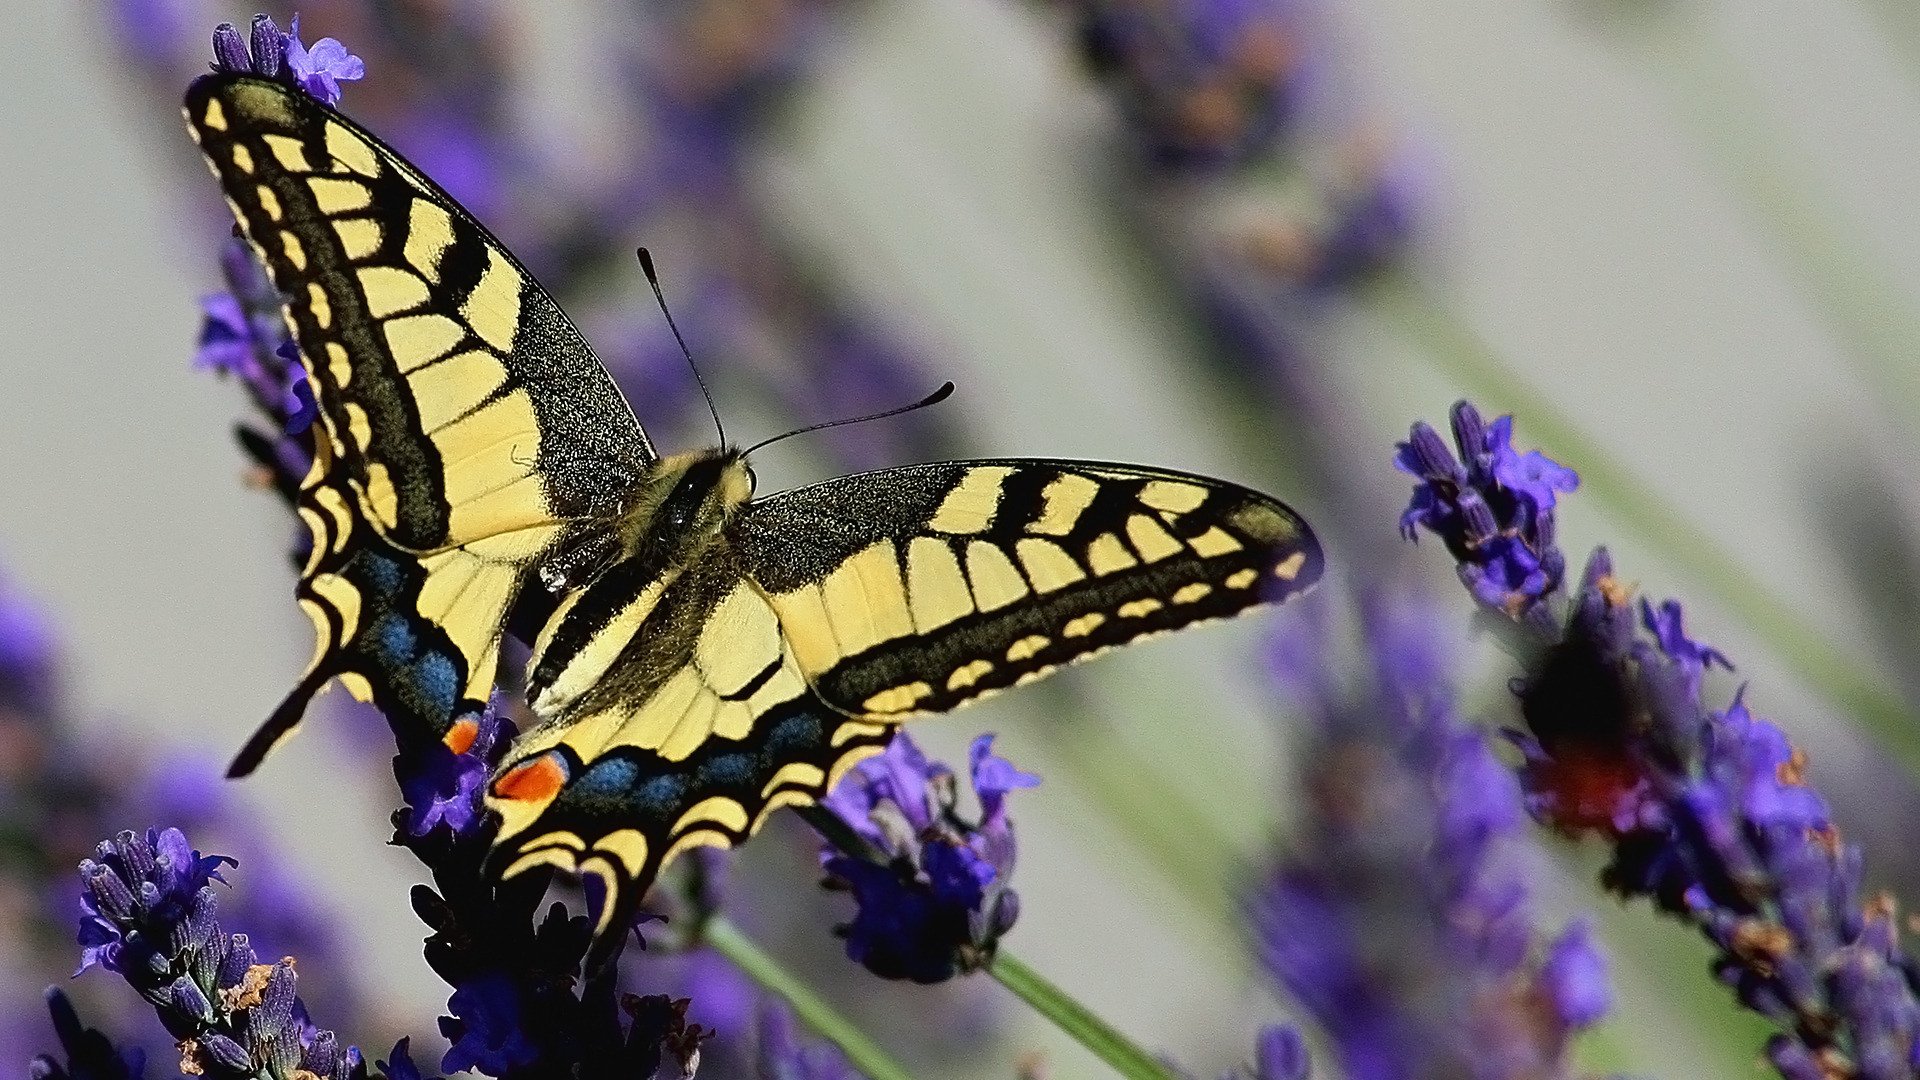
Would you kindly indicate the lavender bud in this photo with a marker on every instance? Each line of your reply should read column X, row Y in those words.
column 229, row 49
column 1469, row 429
column 1006, row 911
column 229, row 1055
column 1481, row 525
column 322, row 1054
column 135, row 856
column 186, row 999
column 110, row 894
column 236, row 963
column 1430, row 452
column 1794, row 1060
column 276, row 1003
column 149, row 897
column 269, row 47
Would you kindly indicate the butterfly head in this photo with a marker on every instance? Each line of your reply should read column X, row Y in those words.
column 686, row 502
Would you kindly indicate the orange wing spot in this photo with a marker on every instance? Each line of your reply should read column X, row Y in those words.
column 533, row 781
column 460, row 736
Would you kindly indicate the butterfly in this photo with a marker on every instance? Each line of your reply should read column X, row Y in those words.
column 709, row 656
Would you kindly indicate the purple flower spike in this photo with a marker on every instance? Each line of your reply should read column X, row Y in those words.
column 150, row 915
column 941, row 901
column 1709, row 811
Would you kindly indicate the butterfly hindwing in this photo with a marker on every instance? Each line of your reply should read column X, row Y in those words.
column 384, row 624
column 461, row 402
column 679, row 718
column 917, row 589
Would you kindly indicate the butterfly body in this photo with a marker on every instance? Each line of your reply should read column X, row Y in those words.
column 709, row 656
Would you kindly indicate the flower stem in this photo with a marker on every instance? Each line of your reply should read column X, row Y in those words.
column 1073, row 1018
column 813, row 1010
column 1458, row 349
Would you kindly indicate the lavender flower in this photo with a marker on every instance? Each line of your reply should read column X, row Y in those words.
column 1708, row 810
column 445, row 787
column 1492, row 507
column 150, row 915
column 88, row 1054
column 941, row 900
column 1451, row 975
column 319, row 70
column 268, row 52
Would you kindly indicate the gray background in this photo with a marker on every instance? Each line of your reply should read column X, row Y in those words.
column 1580, row 222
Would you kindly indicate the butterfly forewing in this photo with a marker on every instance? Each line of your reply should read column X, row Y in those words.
column 917, row 589
column 460, row 400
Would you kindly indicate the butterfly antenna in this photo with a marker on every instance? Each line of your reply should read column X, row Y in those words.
column 935, row 398
column 653, row 279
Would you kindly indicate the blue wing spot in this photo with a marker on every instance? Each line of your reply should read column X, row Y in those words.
column 661, row 796
column 439, row 680
column 609, row 776
column 798, row 732
column 727, row 771
column 386, row 575
column 397, row 640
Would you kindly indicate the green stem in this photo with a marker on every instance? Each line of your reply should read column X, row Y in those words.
column 813, row 1010
column 1459, row 350
column 1126, row 1058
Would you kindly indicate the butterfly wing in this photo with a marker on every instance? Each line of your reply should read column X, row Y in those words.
column 461, row 402
column 918, row 589
column 468, row 430
column 679, row 717
column 417, row 637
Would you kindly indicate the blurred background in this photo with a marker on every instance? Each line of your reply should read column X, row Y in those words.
column 1676, row 239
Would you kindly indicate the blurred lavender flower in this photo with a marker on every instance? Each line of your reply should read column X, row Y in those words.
column 1709, row 810
column 88, row 1054
column 940, row 900
column 1200, row 83
column 784, row 1055
column 1452, row 975
column 1265, row 198
column 1278, row 1054
column 150, row 915
column 29, row 662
